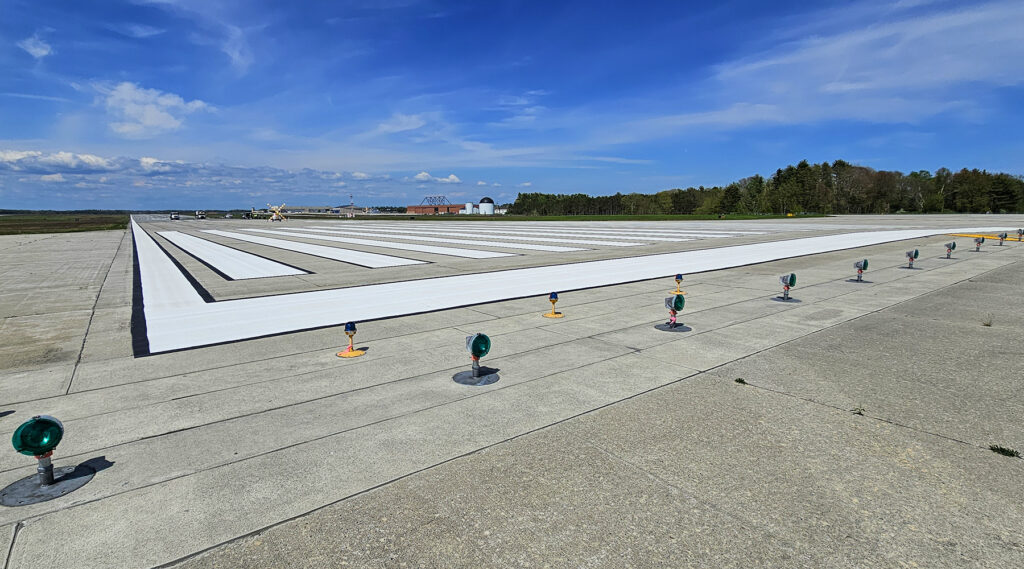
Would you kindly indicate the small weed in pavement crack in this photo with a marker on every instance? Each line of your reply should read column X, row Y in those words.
column 1004, row 451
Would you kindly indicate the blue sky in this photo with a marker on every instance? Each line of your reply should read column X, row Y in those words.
column 200, row 103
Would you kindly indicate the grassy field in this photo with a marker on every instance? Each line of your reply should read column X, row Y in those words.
column 14, row 224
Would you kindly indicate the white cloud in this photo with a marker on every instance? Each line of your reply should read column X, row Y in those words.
column 360, row 175
column 236, row 47
column 35, row 46
column 525, row 184
column 138, row 31
column 145, row 113
column 76, row 161
column 481, row 183
column 12, row 156
column 33, row 160
column 399, row 123
column 901, row 68
column 52, row 178
column 150, row 164
column 426, row 177
column 340, row 184
column 229, row 38
column 496, row 185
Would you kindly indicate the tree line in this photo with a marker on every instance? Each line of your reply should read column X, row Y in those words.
column 836, row 188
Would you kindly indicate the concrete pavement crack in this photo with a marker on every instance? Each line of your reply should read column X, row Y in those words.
column 92, row 314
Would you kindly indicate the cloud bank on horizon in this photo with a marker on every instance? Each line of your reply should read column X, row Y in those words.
column 391, row 101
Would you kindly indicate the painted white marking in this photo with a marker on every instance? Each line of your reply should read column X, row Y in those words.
column 236, row 264
column 576, row 229
column 502, row 232
column 407, row 237
column 177, row 318
column 372, row 260
column 450, row 251
column 509, row 238
column 165, row 288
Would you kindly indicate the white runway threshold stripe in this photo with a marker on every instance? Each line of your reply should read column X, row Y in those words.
column 624, row 232
column 516, row 237
column 177, row 318
column 450, row 251
column 235, row 264
column 500, row 233
column 411, row 236
column 371, row 260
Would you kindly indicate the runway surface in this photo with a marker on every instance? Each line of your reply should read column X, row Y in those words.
column 177, row 317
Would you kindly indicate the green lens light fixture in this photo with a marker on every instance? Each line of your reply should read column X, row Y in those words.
column 478, row 345
column 39, row 437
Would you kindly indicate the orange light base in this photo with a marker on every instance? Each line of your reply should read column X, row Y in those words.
column 552, row 315
column 351, row 353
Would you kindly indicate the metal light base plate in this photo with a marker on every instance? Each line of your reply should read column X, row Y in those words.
column 856, row 281
column 26, row 491
column 679, row 328
column 553, row 315
column 790, row 299
column 487, row 377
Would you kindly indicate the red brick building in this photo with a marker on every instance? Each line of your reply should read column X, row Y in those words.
column 434, row 209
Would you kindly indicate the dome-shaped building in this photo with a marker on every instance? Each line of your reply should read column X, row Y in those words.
column 486, row 206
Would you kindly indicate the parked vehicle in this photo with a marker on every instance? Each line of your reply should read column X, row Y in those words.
column 175, row 216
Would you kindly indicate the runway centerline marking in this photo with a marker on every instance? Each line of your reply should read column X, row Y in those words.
column 177, row 318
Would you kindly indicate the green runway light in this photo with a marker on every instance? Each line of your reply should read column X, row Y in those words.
column 38, row 436
column 478, row 345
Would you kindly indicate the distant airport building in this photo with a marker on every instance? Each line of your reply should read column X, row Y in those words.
column 434, row 205
column 486, row 207
column 439, row 205
column 324, row 209
column 308, row 209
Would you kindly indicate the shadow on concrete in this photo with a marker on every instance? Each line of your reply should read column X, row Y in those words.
column 487, row 376
column 678, row 328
